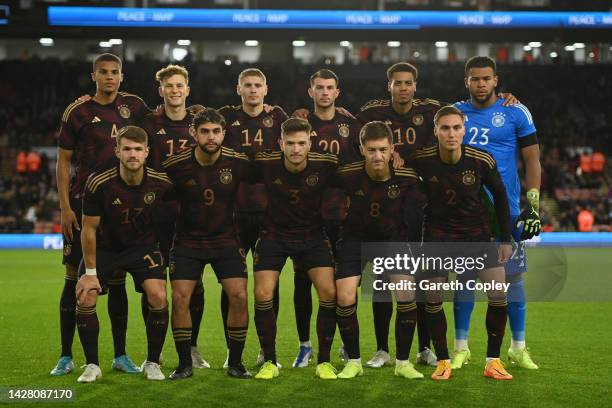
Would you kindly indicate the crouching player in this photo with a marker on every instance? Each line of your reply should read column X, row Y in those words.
column 118, row 233
column 379, row 196
column 454, row 176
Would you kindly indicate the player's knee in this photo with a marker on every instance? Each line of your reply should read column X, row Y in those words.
column 345, row 297
column 263, row 293
column 238, row 298
column 327, row 293
column 157, row 298
column 434, row 296
column 89, row 300
column 180, row 299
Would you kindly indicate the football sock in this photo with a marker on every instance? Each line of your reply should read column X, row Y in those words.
column 348, row 325
column 436, row 321
column 196, row 308
column 237, row 338
column 224, row 314
column 382, row 319
column 405, row 322
column 461, row 344
column 276, row 300
column 517, row 309
column 302, row 303
column 182, row 342
column 157, row 326
column 144, row 307
column 89, row 329
column 462, row 309
column 265, row 322
column 326, row 328
column 422, row 330
column 68, row 315
column 496, row 325
column 118, row 313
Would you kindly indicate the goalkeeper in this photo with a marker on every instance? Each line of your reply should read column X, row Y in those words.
column 506, row 132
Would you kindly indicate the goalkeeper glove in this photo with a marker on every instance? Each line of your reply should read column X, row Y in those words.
column 529, row 220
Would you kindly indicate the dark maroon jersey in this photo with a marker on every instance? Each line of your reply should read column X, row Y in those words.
column 411, row 131
column 127, row 212
column 339, row 136
column 207, row 195
column 377, row 209
column 167, row 137
column 455, row 209
column 91, row 128
column 249, row 135
column 294, row 213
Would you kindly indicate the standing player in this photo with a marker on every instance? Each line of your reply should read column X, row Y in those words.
column 453, row 177
column 379, row 196
column 504, row 132
column 88, row 132
column 294, row 179
column 207, row 178
column 251, row 128
column 336, row 133
column 119, row 206
column 169, row 133
column 411, row 121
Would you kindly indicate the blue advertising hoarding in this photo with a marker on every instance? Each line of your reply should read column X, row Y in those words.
column 319, row 19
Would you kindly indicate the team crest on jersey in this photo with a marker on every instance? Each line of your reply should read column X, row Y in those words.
column 124, row 111
column 225, row 176
column 498, row 119
column 468, row 177
column 393, row 191
column 268, row 121
column 149, row 197
column 344, row 130
column 67, row 249
column 312, row 180
column 417, row 120
column 388, row 122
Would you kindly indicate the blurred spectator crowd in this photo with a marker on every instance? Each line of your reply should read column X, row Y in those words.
column 569, row 103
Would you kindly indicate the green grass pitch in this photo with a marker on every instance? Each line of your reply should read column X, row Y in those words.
column 570, row 341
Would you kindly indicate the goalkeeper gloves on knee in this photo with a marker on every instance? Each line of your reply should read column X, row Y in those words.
column 529, row 220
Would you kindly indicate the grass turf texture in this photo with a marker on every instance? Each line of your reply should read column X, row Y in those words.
column 568, row 341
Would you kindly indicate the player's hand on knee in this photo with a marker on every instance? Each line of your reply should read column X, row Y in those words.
column 85, row 284
column 69, row 220
column 505, row 252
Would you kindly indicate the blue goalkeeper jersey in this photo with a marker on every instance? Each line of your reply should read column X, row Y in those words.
column 497, row 129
